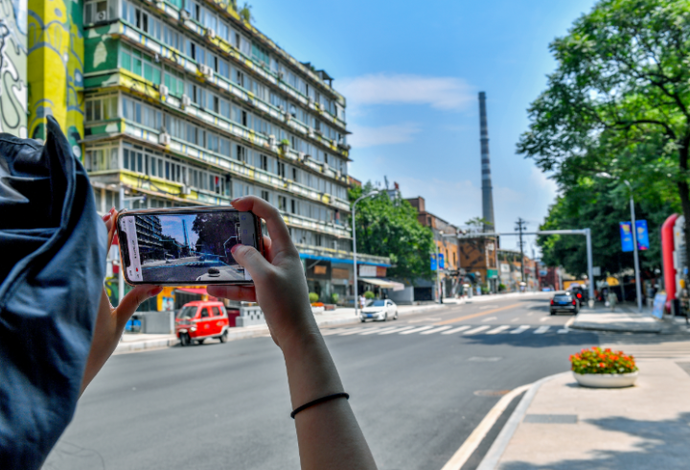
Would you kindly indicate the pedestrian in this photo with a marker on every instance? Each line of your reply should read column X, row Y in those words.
column 362, row 301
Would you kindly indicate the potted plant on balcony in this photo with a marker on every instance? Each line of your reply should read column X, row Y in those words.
column 603, row 368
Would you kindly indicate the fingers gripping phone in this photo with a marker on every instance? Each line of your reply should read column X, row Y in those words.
column 186, row 246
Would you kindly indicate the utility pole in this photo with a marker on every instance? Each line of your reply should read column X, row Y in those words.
column 519, row 228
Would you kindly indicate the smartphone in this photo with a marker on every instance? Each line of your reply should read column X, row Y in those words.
column 186, row 246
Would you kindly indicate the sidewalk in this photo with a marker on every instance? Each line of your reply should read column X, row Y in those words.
column 625, row 319
column 560, row 425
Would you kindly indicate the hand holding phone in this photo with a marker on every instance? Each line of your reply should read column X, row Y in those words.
column 186, row 246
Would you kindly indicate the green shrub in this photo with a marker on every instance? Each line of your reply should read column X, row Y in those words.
column 501, row 287
column 313, row 297
column 369, row 295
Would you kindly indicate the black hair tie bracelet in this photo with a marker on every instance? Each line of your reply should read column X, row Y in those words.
column 319, row 401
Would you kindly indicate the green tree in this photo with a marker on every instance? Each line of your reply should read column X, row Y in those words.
column 597, row 204
column 390, row 228
column 619, row 102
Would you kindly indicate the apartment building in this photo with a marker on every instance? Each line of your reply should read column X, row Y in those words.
column 182, row 103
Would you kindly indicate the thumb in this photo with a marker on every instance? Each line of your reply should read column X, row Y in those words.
column 250, row 259
column 133, row 299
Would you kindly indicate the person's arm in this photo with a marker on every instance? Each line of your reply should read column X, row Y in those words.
column 328, row 434
column 111, row 321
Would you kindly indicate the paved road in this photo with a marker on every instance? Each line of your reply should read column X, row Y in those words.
column 418, row 392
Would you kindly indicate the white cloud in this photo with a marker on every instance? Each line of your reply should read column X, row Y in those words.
column 447, row 93
column 393, row 134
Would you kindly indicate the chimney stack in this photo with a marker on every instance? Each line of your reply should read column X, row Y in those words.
column 487, row 190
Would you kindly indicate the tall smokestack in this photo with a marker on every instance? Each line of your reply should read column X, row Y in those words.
column 487, row 192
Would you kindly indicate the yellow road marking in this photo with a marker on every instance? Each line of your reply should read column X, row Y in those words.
column 475, row 315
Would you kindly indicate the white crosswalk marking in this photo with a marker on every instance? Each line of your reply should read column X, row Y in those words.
column 377, row 330
column 456, row 330
column 333, row 331
column 563, row 331
column 354, row 331
column 416, row 330
column 520, row 329
column 477, row 330
column 541, row 330
column 435, row 330
column 397, row 330
column 498, row 330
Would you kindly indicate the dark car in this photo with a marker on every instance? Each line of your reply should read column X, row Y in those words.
column 564, row 301
column 580, row 293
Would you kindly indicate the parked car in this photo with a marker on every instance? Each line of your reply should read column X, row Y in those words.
column 379, row 310
column 564, row 301
column 200, row 320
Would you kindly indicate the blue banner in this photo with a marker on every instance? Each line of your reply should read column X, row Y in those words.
column 433, row 262
column 626, row 236
column 642, row 235
column 442, row 261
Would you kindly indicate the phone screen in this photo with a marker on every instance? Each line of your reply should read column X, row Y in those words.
column 185, row 248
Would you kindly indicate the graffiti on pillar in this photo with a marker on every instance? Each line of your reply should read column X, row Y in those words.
column 56, row 52
column 13, row 52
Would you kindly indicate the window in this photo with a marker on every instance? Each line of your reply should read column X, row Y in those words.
column 282, row 203
column 280, row 169
column 293, row 206
column 204, row 313
column 241, row 154
column 263, row 159
column 265, row 196
column 295, row 175
column 216, row 311
column 260, row 54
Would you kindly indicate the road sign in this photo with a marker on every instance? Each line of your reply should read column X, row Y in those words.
column 642, row 235
column 626, row 236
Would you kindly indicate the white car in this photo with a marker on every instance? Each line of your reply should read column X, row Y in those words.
column 379, row 310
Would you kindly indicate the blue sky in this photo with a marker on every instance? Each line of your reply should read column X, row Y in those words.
column 172, row 227
column 411, row 72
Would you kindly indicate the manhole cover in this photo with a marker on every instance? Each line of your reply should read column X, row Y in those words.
column 491, row 393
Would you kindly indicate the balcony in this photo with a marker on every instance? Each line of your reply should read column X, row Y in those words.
column 234, row 167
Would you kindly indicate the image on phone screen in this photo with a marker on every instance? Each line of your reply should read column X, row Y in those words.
column 186, row 248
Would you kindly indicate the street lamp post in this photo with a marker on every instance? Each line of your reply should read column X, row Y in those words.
column 354, row 244
column 633, row 228
column 438, row 274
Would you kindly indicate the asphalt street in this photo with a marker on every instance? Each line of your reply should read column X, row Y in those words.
column 418, row 385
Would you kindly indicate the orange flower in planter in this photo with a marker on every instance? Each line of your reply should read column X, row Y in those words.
column 598, row 361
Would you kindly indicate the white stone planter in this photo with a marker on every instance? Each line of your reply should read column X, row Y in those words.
column 318, row 310
column 606, row 380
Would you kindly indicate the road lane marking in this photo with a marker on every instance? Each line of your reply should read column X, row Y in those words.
column 541, row 330
column 477, row 330
column 435, row 330
column 378, row 330
column 416, row 330
column 515, row 320
column 354, row 331
column 472, row 442
column 563, row 331
column 519, row 330
column 425, row 319
column 475, row 315
column 333, row 331
column 497, row 330
column 484, row 307
column 490, row 319
column 544, row 318
column 456, row 330
column 396, row 330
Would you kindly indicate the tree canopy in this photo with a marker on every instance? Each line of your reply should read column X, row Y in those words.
column 390, row 228
column 618, row 102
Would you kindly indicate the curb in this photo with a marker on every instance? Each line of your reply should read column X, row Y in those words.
column 493, row 456
column 615, row 328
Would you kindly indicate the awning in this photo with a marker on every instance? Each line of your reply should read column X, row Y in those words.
column 340, row 260
column 385, row 283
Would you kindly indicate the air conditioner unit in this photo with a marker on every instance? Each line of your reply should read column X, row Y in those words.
column 210, row 33
column 186, row 101
column 206, row 70
column 163, row 90
column 102, row 15
column 310, row 101
column 272, row 140
column 185, row 191
column 280, row 75
column 286, row 116
column 184, row 15
column 164, row 139
column 311, row 133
